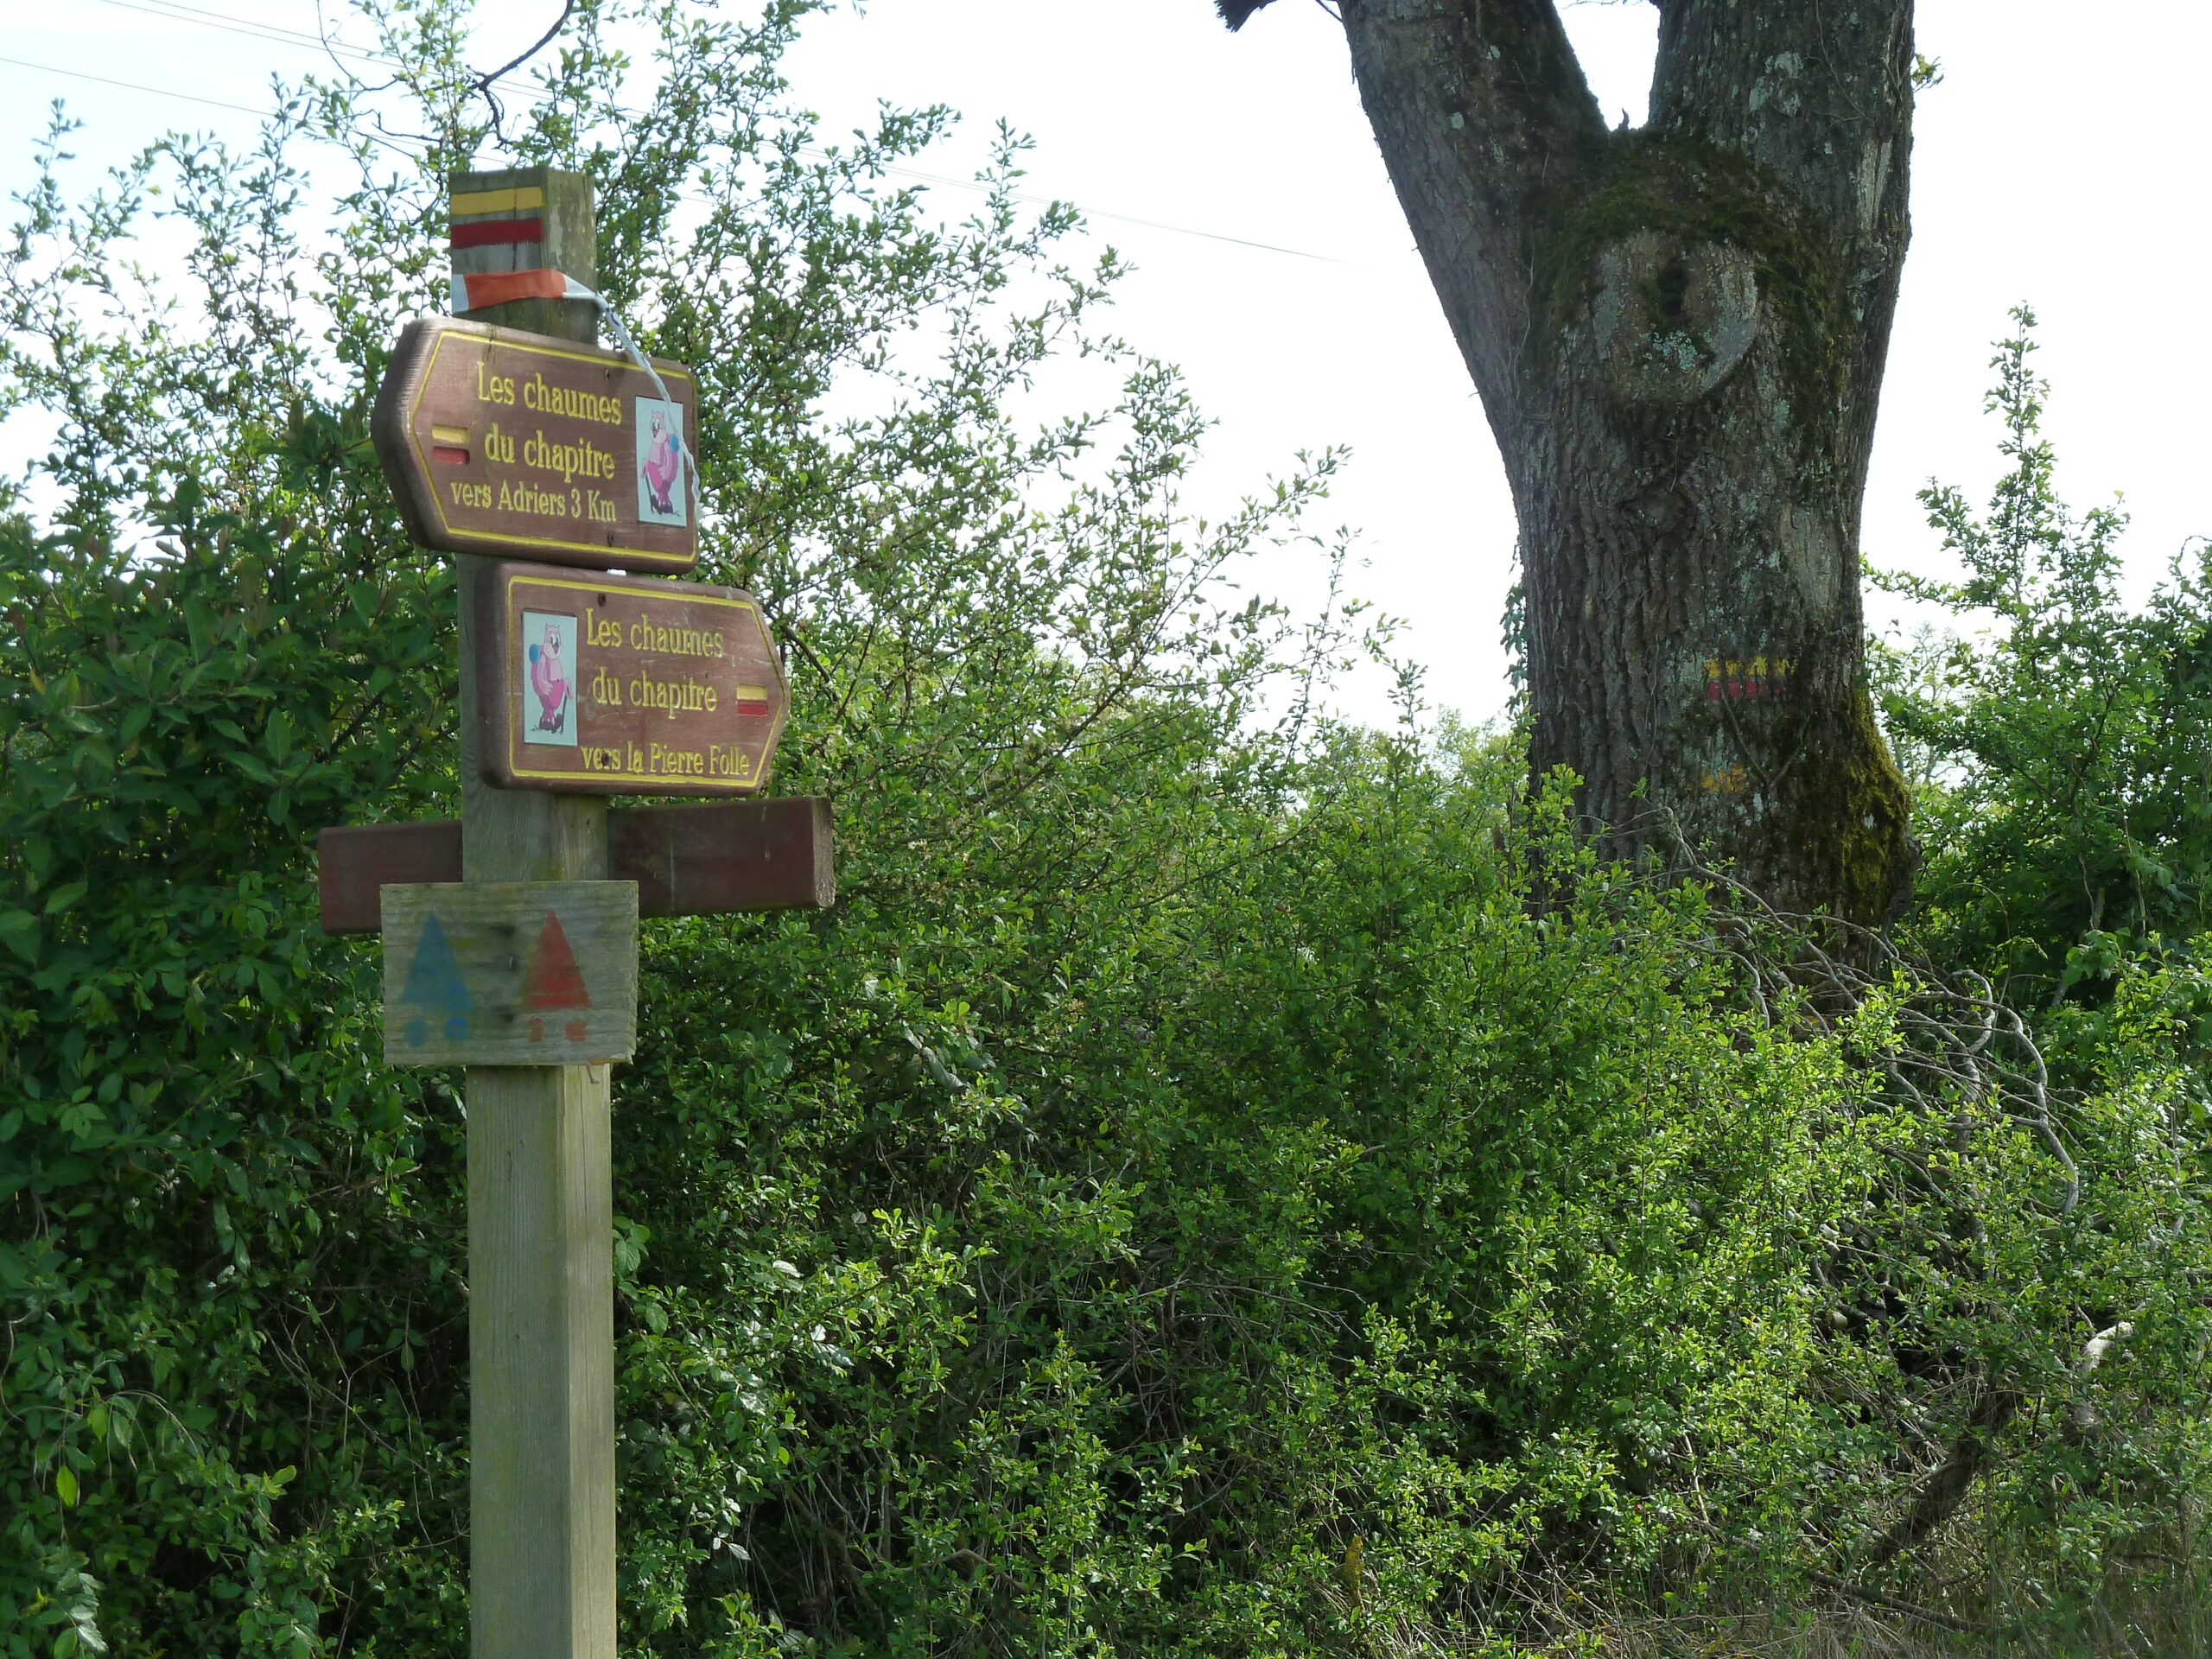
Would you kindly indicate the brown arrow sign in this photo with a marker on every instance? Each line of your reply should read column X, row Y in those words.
column 496, row 441
column 624, row 685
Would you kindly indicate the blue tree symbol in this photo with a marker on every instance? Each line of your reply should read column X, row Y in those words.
column 435, row 984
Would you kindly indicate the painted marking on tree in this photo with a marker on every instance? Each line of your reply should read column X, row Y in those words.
column 482, row 973
column 1729, row 780
column 1756, row 679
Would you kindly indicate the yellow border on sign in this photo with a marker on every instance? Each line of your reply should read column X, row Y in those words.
column 494, row 538
column 514, row 702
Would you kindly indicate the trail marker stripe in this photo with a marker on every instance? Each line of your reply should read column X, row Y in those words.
column 491, row 233
column 520, row 200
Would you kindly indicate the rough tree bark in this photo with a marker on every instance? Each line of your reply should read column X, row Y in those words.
column 1678, row 333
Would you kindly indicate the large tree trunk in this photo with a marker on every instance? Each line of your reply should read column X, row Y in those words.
column 1678, row 333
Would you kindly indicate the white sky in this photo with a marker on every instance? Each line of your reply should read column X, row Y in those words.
column 2061, row 162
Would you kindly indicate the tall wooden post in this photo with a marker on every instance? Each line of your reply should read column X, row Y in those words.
column 541, row 1326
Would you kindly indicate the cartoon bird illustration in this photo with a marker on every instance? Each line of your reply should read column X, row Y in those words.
column 663, row 463
column 549, row 680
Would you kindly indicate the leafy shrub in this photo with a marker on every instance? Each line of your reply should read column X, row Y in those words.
column 2065, row 747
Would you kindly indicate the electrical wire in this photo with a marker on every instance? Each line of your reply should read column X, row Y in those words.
column 131, row 86
column 252, row 28
column 201, row 16
column 1123, row 219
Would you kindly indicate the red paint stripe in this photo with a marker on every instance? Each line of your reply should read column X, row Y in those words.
column 451, row 457
column 491, row 233
column 755, row 710
column 498, row 286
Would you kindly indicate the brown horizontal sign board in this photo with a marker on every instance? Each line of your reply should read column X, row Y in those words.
column 496, row 441
column 726, row 855
column 623, row 685
column 699, row 860
column 510, row 973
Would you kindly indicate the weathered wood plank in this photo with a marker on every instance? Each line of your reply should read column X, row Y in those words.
column 727, row 856
column 355, row 861
column 687, row 860
column 510, row 973
column 541, row 1360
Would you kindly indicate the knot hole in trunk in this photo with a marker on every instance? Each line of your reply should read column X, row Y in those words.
column 1672, row 320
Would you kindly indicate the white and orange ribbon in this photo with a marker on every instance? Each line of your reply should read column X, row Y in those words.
column 484, row 288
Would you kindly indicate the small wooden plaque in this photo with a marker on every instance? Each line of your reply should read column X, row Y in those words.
column 623, row 685
column 495, row 441
column 510, row 973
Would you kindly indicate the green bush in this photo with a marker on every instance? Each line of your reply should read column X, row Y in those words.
column 2063, row 749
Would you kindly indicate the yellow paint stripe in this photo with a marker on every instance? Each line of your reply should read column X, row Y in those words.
column 521, row 199
column 448, row 435
column 753, row 694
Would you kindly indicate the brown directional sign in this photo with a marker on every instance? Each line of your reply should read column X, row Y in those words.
column 510, row 973
column 496, row 441
column 699, row 859
column 724, row 855
column 623, row 685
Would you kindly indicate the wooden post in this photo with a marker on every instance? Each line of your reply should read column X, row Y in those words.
column 541, row 1325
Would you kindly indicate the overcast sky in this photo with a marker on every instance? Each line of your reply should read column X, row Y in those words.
column 2060, row 161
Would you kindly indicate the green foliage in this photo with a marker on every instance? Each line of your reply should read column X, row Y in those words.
column 1196, row 1192
column 220, row 1262
column 2065, row 753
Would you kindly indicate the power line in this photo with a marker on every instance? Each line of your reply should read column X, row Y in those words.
column 200, row 16
column 174, row 12
column 1124, row 218
column 132, row 86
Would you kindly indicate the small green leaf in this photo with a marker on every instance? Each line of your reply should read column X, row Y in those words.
column 276, row 737
column 19, row 933
column 64, row 896
column 64, row 1485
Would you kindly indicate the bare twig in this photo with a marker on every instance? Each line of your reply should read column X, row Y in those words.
column 483, row 83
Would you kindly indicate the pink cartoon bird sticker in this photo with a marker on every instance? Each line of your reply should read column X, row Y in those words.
column 662, row 467
column 549, row 679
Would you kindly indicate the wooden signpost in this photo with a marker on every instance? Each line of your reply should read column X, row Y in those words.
column 499, row 441
column 619, row 685
column 511, row 947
